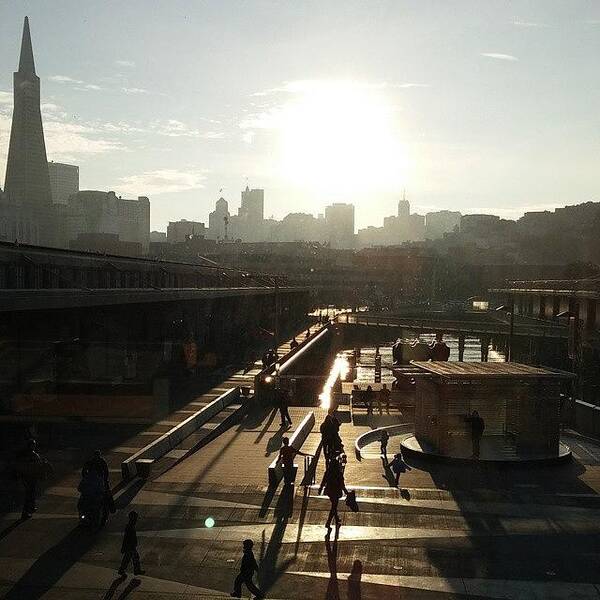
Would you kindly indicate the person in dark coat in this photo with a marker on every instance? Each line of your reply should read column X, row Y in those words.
column 369, row 397
column 247, row 569
column 129, row 547
column 330, row 436
column 385, row 438
column 398, row 467
column 334, row 486
column 283, row 398
column 31, row 468
column 477, row 429
column 99, row 465
column 294, row 343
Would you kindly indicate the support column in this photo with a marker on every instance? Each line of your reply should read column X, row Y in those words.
column 461, row 347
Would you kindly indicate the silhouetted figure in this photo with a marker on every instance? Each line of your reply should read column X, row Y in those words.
column 383, row 398
column 334, row 486
column 99, row 466
column 307, row 334
column 91, row 502
column 129, row 547
column 294, row 343
column 247, row 569
column 286, row 460
column 368, row 398
column 398, row 467
column 265, row 359
column 284, row 401
column 31, row 468
column 385, row 438
column 477, row 429
column 333, row 589
column 330, row 436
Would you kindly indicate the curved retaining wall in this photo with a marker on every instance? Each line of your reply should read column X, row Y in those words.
column 375, row 434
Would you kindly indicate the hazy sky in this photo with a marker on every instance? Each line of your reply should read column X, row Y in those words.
column 471, row 105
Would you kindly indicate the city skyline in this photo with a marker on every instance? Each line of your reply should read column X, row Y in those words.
column 519, row 128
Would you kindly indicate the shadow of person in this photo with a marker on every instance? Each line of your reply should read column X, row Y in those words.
column 50, row 566
column 388, row 474
column 354, row 581
column 274, row 443
column 6, row 531
column 131, row 587
column 404, row 493
column 333, row 587
column 110, row 592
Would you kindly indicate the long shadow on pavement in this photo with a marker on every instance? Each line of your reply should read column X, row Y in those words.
column 47, row 570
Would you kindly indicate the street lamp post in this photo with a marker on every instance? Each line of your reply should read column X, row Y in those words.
column 509, row 308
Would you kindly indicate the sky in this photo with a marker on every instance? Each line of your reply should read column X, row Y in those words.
column 478, row 106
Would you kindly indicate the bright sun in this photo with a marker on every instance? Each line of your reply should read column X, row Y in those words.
column 340, row 137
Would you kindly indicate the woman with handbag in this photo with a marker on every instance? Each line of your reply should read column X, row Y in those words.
column 334, row 485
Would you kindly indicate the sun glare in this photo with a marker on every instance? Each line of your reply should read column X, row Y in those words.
column 340, row 136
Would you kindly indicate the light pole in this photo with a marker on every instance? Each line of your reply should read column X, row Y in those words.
column 509, row 308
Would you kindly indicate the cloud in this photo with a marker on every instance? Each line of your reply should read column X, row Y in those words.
column 64, row 79
column 77, row 84
column 134, row 90
column 304, row 85
column 161, row 181
column 530, row 24
column 6, row 98
column 124, row 63
column 248, row 136
column 498, row 56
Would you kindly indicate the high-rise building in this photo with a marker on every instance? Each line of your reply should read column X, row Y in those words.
column 179, row 231
column 218, row 221
column 27, row 214
column 64, row 181
column 404, row 207
column 340, row 225
column 91, row 212
column 253, row 205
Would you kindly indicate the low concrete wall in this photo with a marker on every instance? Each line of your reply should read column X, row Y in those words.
column 275, row 472
column 587, row 419
column 287, row 359
column 375, row 434
column 170, row 440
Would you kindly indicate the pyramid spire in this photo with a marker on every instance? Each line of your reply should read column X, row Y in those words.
column 26, row 64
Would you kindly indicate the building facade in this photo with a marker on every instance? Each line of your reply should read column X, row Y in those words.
column 339, row 218
column 64, row 181
column 179, row 231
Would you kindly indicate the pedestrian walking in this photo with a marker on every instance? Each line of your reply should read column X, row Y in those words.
column 294, row 343
column 385, row 437
column 283, row 398
column 477, row 429
column 383, row 398
column 286, row 457
column 129, row 547
column 30, row 468
column 334, row 486
column 247, row 569
column 368, row 397
column 330, row 436
column 398, row 467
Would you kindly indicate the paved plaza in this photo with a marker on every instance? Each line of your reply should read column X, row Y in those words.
column 451, row 532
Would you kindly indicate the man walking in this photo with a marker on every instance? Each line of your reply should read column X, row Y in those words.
column 284, row 401
column 477, row 429
column 129, row 547
column 247, row 568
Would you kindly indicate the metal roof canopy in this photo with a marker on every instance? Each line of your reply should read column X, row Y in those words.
column 490, row 370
